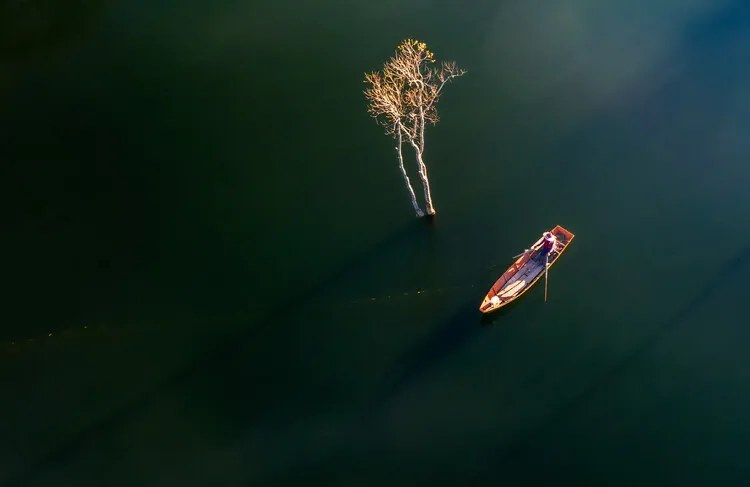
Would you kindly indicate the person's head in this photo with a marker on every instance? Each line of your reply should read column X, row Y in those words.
column 548, row 236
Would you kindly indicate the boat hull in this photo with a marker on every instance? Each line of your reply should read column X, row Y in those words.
column 524, row 272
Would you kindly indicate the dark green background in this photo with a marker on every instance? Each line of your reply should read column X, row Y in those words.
column 213, row 275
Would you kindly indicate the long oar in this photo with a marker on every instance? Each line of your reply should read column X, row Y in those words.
column 514, row 258
column 519, row 255
column 546, row 276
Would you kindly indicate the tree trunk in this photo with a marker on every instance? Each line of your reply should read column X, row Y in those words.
column 409, row 187
column 422, row 166
column 425, row 180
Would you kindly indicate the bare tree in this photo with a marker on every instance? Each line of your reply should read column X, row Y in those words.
column 403, row 98
column 387, row 104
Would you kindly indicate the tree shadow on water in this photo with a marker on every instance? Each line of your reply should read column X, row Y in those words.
column 220, row 361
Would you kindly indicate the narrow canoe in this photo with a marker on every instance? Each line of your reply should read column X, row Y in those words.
column 524, row 272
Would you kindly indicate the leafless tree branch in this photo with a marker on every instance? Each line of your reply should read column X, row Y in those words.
column 403, row 98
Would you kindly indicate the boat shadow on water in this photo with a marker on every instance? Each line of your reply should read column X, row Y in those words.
column 426, row 353
column 488, row 319
column 447, row 339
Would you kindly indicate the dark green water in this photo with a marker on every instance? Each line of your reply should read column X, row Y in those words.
column 213, row 275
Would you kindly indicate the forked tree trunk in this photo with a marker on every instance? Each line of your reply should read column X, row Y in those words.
column 402, row 98
column 409, row 187
column 422, row 169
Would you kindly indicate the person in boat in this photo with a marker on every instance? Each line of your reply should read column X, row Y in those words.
column 547, row 245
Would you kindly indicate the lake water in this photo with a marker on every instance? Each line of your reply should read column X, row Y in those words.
column 214, row 275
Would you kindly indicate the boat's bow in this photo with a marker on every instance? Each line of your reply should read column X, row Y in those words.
column 524, row 272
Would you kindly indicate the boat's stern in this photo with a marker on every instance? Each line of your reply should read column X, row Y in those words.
column 563, row 235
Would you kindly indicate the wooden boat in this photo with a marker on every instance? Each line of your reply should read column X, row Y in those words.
column 524, row 272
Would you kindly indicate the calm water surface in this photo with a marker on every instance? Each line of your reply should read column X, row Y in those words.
column 213, row 276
